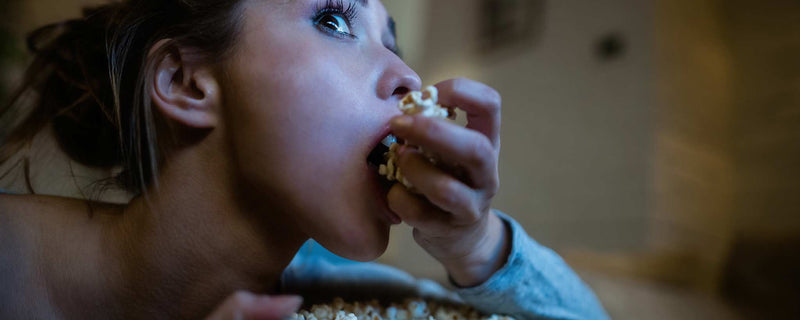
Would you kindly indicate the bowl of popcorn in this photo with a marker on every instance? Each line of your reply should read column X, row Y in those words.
column 410, row 309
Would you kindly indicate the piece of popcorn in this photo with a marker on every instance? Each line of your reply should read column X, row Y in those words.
column 390, row 312
column 341, row 315
column 322, row 311
column 402, row 314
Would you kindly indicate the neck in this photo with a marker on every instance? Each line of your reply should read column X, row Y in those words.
column 192, row 242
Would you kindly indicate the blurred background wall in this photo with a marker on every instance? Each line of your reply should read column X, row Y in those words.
column 577, row 135
column 655, row 144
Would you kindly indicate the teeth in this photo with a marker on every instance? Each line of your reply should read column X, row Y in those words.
column 377, row 155
column 388, row 140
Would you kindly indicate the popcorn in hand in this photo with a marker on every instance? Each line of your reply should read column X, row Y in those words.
column 424, row 103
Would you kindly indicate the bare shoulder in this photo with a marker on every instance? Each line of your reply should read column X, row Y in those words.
column 16, row 210
column 25, row 218
column 19, row 245
column 22, row 215
column 34, row 233
column 40, row 219
column 34, row 207
column 43, row 223
column 11, row 204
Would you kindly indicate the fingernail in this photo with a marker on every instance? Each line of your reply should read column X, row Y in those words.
column 402, row 122
column 287, row 304
column 291, row 300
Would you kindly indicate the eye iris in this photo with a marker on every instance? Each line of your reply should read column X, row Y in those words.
column 335, row 22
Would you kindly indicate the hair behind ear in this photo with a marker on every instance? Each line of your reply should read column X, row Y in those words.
column 88, row 76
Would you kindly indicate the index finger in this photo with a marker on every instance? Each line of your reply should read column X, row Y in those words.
column 479, row 101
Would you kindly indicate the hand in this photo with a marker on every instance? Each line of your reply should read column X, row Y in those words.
column 246, row 305
column 451, row 215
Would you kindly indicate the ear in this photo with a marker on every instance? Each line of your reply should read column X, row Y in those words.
column 183, row 88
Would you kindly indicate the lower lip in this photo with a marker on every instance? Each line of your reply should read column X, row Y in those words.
column 383, row 190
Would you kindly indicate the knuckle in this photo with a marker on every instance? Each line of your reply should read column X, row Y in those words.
column 473, row 217
column 494, row 100
column 429, row 127
column 446, row 193
column 479, row 153
column 493, row 188
column 484, row 211
column 477, row 210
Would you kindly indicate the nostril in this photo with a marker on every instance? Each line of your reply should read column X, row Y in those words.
column 401, row 91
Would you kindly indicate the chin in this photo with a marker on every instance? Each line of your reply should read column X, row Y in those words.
column 361, row 246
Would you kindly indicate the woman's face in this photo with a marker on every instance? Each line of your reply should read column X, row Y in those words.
column 308, row 94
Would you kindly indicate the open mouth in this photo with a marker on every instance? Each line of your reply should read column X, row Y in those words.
column 377, row 156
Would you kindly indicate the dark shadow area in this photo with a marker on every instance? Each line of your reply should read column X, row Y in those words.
column 762, row 278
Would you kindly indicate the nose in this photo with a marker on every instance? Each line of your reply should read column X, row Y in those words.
column 397, row 79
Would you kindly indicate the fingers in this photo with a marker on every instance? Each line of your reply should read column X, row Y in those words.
column 467, row 148
column 456, row 192
column 443, row 193
column 416, row 211
column 246, row 305
column 479, row 101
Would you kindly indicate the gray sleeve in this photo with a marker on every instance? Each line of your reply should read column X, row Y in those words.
column 319, row 276
column 535, row 283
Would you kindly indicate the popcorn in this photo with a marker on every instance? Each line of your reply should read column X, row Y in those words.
column 411, row 309
column 422, row 103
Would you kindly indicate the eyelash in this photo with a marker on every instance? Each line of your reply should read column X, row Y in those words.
column 349, row 12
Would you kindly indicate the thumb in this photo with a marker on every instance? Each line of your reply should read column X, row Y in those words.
column 272, row 307
column 246, row 305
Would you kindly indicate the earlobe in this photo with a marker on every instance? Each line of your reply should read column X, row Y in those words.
column 183, row 89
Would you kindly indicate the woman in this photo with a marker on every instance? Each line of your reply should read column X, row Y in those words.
column 243, row 128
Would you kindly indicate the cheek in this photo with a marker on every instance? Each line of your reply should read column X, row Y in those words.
column 299, row 135
column 307, row 104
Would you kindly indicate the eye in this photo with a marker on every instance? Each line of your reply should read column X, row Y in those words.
column 336, row 18
column 334, row 22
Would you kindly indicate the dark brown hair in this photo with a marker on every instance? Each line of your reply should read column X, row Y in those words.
column 88, row 79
